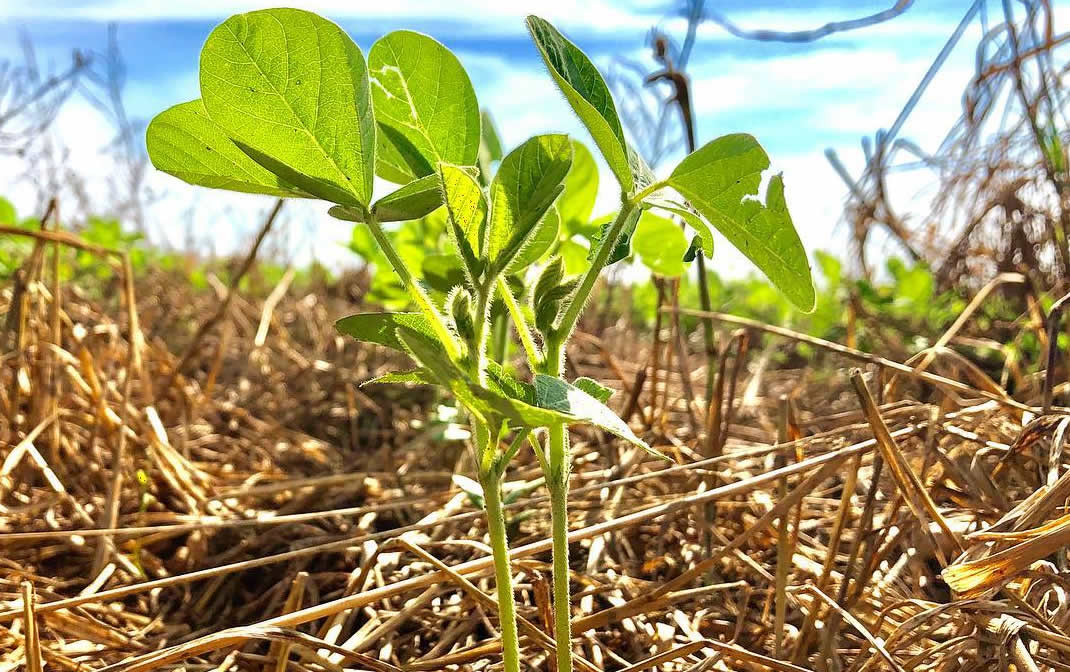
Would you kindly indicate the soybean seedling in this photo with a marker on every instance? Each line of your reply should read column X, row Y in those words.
column 290, row 108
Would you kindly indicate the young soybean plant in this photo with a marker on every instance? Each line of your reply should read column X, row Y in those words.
column 289, row 108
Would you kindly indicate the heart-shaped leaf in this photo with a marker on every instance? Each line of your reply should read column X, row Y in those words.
column 587, row 93
column 525, row 187
column 722, row 181
column 557, row 395
column 425, row 106
column 291, row 89
column 183, row 141
column 661, row 244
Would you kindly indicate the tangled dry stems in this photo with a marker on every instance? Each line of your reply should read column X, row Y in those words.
column 268, row 513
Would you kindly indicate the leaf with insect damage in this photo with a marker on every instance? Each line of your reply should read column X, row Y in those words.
column 425, row 106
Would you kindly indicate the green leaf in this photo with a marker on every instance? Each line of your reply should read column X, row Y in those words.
column 291, row 89
column 183, row 141
column 688, row 214
column 381, row 328
column 466, row 208
column 443, row 272
column 594, row 388
column 490, row 141
column 581, row 190
column 542, row 239
column 525, row 187
column 623, row 247
column 416, row 199
column 722, row 181
column 425, row 106
column 693, row 249
column 642, row 173
column 575, row 257
column 7, row 212
column 587, row 93
column 661, row 244
column 409, row 377
column 555, row 394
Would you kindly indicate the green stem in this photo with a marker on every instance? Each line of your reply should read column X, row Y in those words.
column 522, row 328
column 479, row 359
column 557, row 481
column 500, row 332
column 418, row 294
column 492, row 499
column 561, row 333
column 638, row 198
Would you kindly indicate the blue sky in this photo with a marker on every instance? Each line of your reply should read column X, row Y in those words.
column 798, row 99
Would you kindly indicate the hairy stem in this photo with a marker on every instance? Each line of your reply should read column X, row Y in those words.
column 479, row 357
column 417, row 292
column 522, row 328
column 557, row 481
column 492, row 499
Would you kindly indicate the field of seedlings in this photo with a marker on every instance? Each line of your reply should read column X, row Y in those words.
column 494, row 444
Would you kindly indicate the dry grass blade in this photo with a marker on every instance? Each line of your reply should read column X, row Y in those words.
column 31, row 639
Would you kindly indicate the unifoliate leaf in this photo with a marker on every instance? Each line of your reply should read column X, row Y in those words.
column 722, row 181
column 466, row 208
column 183, row 141
column 555, row 394
column 581, row 190
column 291, row 89
column 594, row 388
column 409, row 377
column 661, row 245
column 525, row 187
column 541, row 240
column 425, row 106
column 587, row 93
column 443, row 272
column 622, row 249
column 381, row 328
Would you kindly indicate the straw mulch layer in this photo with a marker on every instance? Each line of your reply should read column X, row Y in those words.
column 260, row 511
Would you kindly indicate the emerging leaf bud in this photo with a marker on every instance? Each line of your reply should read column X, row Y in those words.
column 460, row 305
